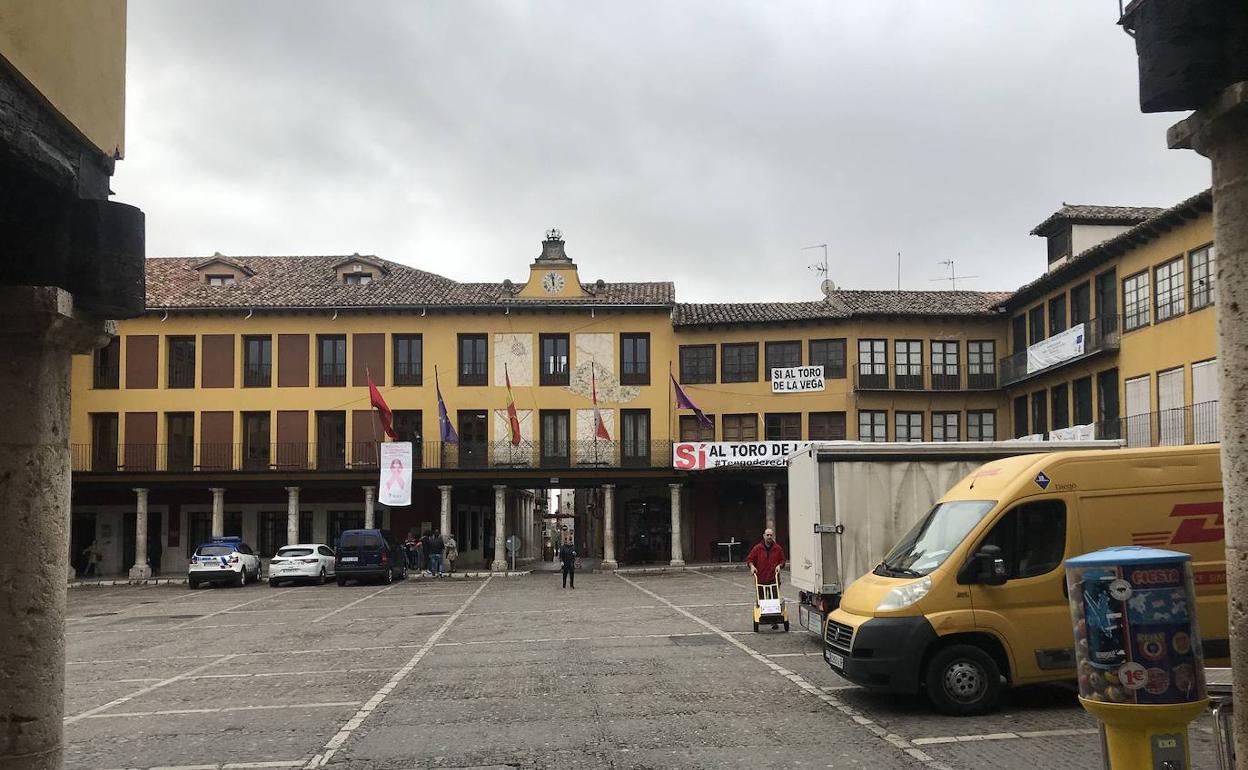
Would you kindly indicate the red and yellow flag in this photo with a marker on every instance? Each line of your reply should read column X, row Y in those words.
column 513, row 421
column 600, row 427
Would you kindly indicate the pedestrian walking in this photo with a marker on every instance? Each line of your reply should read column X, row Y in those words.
column 92, row 552
column 436, row 548
column 424, row 551
column 409, row 550
column 567, row 555
column 765, row 560
column 451, row 553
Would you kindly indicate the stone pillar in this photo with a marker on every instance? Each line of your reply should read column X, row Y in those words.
column 500, row 529
column 370, row 508
column 608, row 527
column 292, row 515
column 769, row 489
column 1219, row 131
column 39, row 331
column 445, row 489
column 141, row 569
column 218, row 511
column 678, row 557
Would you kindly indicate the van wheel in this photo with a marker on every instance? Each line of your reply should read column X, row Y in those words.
column 756, row 627
column 273, row 582
column 963, row 680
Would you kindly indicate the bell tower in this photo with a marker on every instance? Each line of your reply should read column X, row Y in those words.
column 553, row 275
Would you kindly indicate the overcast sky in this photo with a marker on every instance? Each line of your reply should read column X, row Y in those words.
column 700, row 142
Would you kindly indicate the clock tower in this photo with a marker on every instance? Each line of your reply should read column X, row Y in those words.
column 553, row 275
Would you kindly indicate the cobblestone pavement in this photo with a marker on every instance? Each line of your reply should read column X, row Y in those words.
column 627, row 671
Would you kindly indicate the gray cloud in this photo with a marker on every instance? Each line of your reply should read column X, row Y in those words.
column 699, row 142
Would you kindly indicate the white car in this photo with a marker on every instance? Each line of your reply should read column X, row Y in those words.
column 304, row 561
column 223, row 560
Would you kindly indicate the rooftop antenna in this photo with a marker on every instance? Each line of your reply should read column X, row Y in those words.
column 953, row 275
column 827, row 286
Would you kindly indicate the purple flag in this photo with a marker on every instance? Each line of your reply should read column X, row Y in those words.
column 684, row 402
column 447, row 431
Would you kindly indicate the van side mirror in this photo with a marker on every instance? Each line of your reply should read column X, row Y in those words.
column 991, row 566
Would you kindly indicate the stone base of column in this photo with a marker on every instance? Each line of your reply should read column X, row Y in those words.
column 140, row 572
column 498, row 566
column 607, row 566
column 677, row 563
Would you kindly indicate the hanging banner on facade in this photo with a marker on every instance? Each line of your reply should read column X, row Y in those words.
column 1062, row 346
column 1074, row 433
column 701, row 455
column 395, row 487
column 797, row 379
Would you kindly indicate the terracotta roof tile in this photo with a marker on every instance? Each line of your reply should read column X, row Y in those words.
column 1075, row 213
column 844, row 304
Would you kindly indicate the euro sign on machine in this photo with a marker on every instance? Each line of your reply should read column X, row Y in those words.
column 1138, row 653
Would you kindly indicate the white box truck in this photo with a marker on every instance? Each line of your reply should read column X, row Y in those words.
column 849, row 502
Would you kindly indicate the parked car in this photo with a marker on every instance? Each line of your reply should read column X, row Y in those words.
column 223, row 560
column 303, row 562
column 369, row 554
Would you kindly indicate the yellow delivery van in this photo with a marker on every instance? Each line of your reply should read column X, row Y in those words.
column 974, row 598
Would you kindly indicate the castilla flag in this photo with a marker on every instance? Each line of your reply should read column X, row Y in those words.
column 600, row 427
column 379, row 403
column 513, row 421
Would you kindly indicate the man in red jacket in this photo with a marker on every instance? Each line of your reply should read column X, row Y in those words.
column 766, row 559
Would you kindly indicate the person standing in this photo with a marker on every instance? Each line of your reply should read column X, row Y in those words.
column 155, row 547
column 766, row 559
column 409, row 550
column 452, row 552
column 567, row 556
column 436, row 548
column 92, row 552
column 424, row 552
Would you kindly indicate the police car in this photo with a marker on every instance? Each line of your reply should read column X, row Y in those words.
column 224, row 560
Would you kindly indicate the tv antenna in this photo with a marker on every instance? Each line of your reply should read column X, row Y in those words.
column 953, row 275
column 827, row 286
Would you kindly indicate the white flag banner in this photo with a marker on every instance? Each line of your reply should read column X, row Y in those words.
column 395, row 487
column 1056, row 349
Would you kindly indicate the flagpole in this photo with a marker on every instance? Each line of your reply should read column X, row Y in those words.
column 671, row 396
column 372, row 412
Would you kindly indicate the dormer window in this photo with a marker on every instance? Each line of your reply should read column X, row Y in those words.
column 220, row 270
column 220, row 280
column 357, row 279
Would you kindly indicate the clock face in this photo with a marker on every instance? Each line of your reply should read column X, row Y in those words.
column 552, row 282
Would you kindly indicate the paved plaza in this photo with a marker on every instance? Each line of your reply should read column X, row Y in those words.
column 627, row 671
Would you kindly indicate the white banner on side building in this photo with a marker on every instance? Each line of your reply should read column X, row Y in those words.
column 797, row 379
column 395, row 487
column 1062, row 346
column 701, row 455
column 1074, row 433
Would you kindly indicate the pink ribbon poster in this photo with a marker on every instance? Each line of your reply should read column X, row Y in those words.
column 395, row 487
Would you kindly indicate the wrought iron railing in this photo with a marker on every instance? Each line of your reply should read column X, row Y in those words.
column 257, row 375
column 332, row 375
column 1100, row 334
column 924, row 377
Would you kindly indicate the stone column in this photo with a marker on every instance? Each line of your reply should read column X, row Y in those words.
column 500, row 529
column 1219, row 131
column 39, row 331
column 292, row 515
column 141, row 569
column 608, row 527
column 445, row 489
column 370, row 508
column 218, row 511
column 769, row 489
column 678, row 557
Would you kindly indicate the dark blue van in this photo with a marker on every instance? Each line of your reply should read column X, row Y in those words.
column 369, row 554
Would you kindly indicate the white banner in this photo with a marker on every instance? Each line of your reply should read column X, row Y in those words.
column 797, row 379
column 700, row 455
column 1062, row 346
column 1074, row 433
column 395, row 487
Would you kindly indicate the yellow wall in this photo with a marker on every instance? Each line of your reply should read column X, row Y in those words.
column 74, row 53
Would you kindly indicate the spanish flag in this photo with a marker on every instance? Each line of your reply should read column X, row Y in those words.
column 513, row 421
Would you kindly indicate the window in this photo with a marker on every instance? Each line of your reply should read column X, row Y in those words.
column 408, row 359
column 1203, row 268
column 554, row 359
column 635, row 359
column 1060, row 244
column 635, row 437
column 220, row 280
column 258, row 362
column 181, row 362
column 407, row 426
column 272, row 533
column 740, row 362
column 341, row 521
column 1135, row 301
column 782, row 427
column 256, row 440
column 872, row 364
column 1081, row 304
column 1020, row 416
column 1060, row 408
column 1083, row 400
column 1107, row 405
column 1035, row 323
column 357, row 279
column 1018, row 333
column 908, row 364
column 331, row 440
column 332, row 361
column 981, row 425
column 981, row 364
column 830, row 354
column 473, row 364
column 827, row 426
column 697, row 364
column 1032, row 538
column 946, row 426
column 782, row 355
column 180, row 438
column 1171, row 293
column 693, row 429
column 107, row 369
column 909, row 426
column 555, row 451
column 1039, row 412
column 104, row 441
column 740, row 427
column 1057, row 314
column 945, row 356
column 872, row 425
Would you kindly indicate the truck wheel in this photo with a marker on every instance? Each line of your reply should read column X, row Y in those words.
column 786, row 626
column 756, row 627
column 963, row 680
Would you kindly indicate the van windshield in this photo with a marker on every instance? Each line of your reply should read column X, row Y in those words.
column 926, row 546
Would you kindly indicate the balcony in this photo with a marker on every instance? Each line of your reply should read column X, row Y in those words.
column 332, row 375
column 278, row 457
column 257, row 375
column 1099, row 335
column 923, row 378
column 408, row 373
